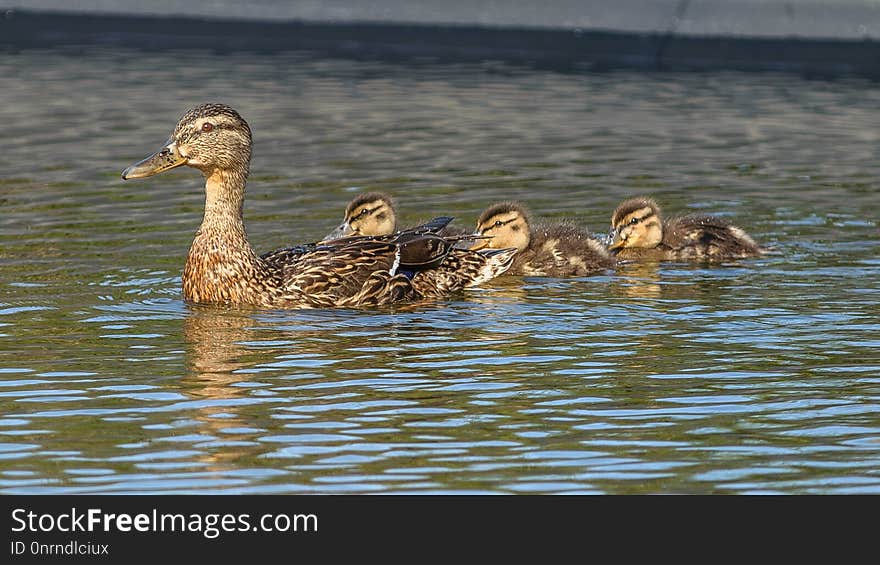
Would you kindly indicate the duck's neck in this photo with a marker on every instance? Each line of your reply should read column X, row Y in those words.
column 224, row 197
column 221, row 262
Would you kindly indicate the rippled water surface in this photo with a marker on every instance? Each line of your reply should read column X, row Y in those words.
column 760, row 376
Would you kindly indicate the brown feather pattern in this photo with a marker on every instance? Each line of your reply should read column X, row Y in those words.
column 694, row 237
column 222, row 268
column 560, row 249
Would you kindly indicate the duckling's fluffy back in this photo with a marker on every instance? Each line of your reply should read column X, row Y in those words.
column 703, row 237
column 559, row 250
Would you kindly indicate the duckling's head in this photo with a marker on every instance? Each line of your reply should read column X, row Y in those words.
column 636, row 223
column 209, row 137
column 508, row 224
column 371, row 213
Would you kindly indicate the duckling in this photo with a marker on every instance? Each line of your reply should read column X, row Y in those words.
column 370, row 213
column 549, row 250
column 375, row 213
column 638, row 232
column 222, row 268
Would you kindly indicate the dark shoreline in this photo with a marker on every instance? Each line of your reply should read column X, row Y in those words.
column 562, row 49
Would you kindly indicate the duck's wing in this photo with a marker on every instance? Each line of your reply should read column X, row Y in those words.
column 288, row 255
column 700, row 236
column 436, row 225
column 456, row 231
column 462, row 268
column 334, row 272
column 465, row 237
column 358, row 271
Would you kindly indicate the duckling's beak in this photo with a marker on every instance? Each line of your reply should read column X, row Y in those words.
column 163, row 160
column 614, row 240
column 342, row 230
column 480, row 243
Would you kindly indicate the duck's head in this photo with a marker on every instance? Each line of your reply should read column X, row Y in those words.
column 507, row 224
column 208, row 137
column 371, row 213
column 636, row 223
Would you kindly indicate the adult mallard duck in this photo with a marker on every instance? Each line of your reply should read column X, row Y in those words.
column 638, row 232
column 375, row 213
column 222, row 268
column 559, row 249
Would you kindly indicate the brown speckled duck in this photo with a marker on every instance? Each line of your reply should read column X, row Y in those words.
column 222, row 268
column 559, row 249
column 375, row 213
column 638, row 232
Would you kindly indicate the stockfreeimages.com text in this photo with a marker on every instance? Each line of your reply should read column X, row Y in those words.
column 209, row 525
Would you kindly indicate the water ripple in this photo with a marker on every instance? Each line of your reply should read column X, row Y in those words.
column 756, row 376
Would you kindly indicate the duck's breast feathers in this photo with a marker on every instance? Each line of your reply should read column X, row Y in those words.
column 709, row 237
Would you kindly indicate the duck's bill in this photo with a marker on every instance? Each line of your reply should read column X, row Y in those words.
column 342, row 230
column 465, row 243
column 614, row 240
column 163, row 160
column 480, row 243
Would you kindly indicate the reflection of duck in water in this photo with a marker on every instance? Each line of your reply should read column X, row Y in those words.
column 214, row 354
column 222, row 268
column 374, row 214
column 545, row 250
column 214, row 350
column 638, row 232
column 638, row 280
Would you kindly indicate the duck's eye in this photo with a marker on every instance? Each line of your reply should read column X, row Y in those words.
column 634, row 221
column 207, row 126
column 363, row 212
column 498, row 223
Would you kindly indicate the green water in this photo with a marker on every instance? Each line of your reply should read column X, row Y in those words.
column 760, row 376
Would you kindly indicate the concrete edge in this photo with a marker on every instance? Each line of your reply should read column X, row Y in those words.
column 560, row 49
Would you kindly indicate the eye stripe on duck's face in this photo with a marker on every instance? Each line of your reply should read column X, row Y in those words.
column 197, row 132
column 497, row 223
column 214, row 127
column 507, row 229
column 208, row 124
column 366, row 211
column 636, row 217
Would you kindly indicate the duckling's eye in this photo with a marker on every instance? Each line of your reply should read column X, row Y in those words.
column 207, row 126
column 498, row 223
column 363, row 212
column 634, row 221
